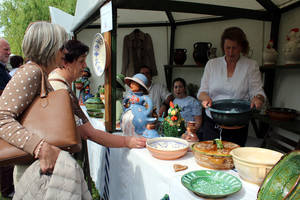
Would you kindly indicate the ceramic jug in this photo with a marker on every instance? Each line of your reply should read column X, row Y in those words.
column 135, row 116
column 201, row 51
column 180, row 56
column 150, row 131
column 212, row 53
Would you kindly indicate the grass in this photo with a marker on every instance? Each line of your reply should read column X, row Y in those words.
column 2, row 198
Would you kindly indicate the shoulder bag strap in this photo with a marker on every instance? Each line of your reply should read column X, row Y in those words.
column 44, row 90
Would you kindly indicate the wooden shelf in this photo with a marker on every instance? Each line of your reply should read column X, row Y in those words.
column 278, row 67
column 169, row 71
column 293, row 125
column 183, row 66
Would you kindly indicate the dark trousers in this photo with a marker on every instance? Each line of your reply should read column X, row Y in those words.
column 209, row 131
column 6, row 180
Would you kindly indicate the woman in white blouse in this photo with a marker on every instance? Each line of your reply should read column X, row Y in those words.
column 233, row 76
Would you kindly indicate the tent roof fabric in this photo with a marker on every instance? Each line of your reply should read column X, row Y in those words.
column 86, row 8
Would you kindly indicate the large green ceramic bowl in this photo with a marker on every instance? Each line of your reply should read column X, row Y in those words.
column 282, row 182
column 211, row 184
column 94, row 103
column 95, row 113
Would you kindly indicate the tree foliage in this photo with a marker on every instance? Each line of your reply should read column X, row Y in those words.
column 15, row 15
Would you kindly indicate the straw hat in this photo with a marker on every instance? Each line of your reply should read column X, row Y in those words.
column 141, row 79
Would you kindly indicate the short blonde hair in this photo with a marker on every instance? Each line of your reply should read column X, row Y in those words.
column 42, row 41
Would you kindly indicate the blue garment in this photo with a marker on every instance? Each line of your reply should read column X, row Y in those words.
column 189, row 106
column 4, row 76
column 137, row 103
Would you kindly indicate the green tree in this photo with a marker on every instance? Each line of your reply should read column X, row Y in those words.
column 15, row 15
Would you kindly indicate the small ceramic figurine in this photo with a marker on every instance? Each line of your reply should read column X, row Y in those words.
column 137, row 106
column 85, row 90
column 292, row 47
column 173, row 125
column 270, row 54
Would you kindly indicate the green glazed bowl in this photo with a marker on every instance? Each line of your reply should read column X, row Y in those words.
column 282, row 182
column 94, row 103
column 95, row 113
column 211, row 184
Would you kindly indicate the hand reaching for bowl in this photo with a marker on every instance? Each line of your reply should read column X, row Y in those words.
column 205, row 99
column 257, row 101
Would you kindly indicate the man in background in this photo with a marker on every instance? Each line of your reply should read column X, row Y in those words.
column 159, row 94
column 15, row 61
column 6, row 173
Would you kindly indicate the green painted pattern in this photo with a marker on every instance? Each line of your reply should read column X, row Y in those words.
column 211, row 184
column 281, row 179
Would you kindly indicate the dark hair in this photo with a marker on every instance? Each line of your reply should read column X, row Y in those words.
column 238, row 35
column 73, row 49
column 180, row 80
column 147, row 67
column 16, row 61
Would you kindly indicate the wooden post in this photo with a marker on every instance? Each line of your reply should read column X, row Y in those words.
column 108, row 88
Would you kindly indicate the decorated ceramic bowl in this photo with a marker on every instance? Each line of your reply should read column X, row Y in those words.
column 211, row 184
column 208, row 154
column 283, row 180
column 95, row 113
column 253, row 163
column 167, row 148
column 94, row 103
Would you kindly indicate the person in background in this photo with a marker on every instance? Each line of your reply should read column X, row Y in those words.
column 6, row 173
column 159, row 94
column 190, row 107
column 233, row 76
column 61, row 78
column 41, row 46
column 15, row 62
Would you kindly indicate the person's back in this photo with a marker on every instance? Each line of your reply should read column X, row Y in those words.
column 15, row 62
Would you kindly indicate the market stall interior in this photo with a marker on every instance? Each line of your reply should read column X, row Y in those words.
column 175, row 24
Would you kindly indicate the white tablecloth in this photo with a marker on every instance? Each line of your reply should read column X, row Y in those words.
column 133, row 174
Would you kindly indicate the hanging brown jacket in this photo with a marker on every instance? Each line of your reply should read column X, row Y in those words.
column 138, row 51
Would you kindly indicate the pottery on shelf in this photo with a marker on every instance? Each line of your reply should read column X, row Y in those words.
column 201, row 52
column 212, row 53
column 292, row 47
column 180, row 56
column 270, row 55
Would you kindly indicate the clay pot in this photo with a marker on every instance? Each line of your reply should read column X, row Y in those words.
column 180, row 56
column 201, row 52
column 270, row 57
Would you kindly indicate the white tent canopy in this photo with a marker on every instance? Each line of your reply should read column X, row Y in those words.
column 86, row 8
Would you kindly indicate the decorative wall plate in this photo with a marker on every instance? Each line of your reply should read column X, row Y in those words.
column 99, row 54
column 211, row 184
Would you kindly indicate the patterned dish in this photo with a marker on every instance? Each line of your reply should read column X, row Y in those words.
column 211, row 184
column 167, row 148
column 282, row 182
column 99, row 54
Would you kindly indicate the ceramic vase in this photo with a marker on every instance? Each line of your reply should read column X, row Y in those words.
column 180, row 56
column 136, row 116
column 201, row 52
column 270, row 56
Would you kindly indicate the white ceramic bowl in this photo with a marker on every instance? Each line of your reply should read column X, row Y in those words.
column 253, row 163
column 167, row 148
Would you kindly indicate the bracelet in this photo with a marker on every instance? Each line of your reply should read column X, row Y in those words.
column 39, row 149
